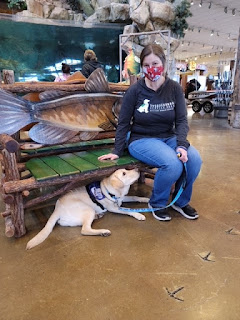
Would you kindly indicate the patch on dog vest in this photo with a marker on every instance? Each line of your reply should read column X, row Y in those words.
column 95, row 189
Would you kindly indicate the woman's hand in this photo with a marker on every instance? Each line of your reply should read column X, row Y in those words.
column 109, row 156
column 183, row 154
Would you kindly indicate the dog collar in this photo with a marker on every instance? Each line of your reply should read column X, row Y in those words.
column 95, row 193
column 111, row 196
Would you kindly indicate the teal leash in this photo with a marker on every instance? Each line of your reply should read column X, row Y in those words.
column 180, row 191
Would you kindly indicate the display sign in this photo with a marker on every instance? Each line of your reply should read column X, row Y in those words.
column 192, row 65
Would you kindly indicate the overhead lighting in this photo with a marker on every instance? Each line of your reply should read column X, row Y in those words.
column 225, row 9
column 200, row 4
column 210, row 5
column 212, row 32
column 192, row 3
column 233, row 12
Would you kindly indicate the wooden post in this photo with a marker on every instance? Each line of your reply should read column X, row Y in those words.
column 16, row 224
column 8, row 76
column 236, row 92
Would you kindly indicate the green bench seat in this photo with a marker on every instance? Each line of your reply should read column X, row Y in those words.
column 73, row 163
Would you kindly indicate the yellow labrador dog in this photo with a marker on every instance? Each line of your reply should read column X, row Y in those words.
column 81, row 206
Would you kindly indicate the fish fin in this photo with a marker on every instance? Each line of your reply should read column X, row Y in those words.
column 97, row 82
column 52, row 94
column 46, row 134
column 76, row 76
column 14, row 114
column 107, row 126
column 32, row 96
column 88, row 135
column 116, row 108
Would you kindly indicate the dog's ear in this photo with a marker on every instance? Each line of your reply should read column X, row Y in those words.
column 116, row 180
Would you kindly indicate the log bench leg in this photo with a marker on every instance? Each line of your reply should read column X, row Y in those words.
column 18, row 215
column 9, row 227
column 14, row 202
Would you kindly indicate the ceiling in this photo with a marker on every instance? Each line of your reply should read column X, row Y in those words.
column 212, row 35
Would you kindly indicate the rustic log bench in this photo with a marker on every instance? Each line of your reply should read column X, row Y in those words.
column 32, row 177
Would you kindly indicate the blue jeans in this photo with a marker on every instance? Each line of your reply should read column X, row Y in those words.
column 161, row 153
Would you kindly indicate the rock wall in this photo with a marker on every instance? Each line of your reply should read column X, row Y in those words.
column 138, row 15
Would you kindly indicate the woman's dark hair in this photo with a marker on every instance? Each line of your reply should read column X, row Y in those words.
column 66, row 68
column 90, row 55
column 155, row 49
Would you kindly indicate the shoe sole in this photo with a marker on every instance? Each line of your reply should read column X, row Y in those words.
column 178, row 209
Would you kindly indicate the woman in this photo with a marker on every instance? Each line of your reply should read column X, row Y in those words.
column 90, row 64
column 154, row 111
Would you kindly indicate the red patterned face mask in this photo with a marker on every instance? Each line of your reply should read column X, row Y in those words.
column 153, row 73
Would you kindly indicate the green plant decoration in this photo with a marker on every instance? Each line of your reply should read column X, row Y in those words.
column 179, row 24
column 17, row 4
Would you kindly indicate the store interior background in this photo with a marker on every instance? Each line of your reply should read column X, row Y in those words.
column 184, row 270
column 36, row 49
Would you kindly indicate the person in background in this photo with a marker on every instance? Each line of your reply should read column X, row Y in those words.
column 90, row 63
column 65, row 73
column 154, row 112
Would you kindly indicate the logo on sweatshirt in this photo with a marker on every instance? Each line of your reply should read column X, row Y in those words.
column 160, row 107
column 144, row 107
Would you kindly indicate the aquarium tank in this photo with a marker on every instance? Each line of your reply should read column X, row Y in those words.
column 36, row 51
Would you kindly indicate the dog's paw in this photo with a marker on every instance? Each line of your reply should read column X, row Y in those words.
column 139, row 216
column 105, row 233
column 145, row 200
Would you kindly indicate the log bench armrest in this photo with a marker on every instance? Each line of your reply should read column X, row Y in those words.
column 7, row 142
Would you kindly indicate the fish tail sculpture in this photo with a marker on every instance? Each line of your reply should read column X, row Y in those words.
column 14, row 112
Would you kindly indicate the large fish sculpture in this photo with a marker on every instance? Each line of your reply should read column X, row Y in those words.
column 60, row 118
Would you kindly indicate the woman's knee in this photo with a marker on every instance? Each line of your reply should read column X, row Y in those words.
column 171, row 168
column 194, row 159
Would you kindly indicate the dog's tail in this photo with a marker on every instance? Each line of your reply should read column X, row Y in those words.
column 44, row 233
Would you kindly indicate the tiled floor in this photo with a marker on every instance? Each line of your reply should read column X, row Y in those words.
column 146, row 270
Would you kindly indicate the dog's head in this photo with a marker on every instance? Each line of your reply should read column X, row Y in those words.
column 122, row 178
